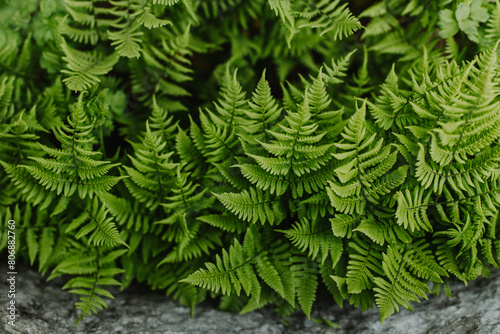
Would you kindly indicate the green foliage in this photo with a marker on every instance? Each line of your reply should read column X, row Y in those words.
column 95, row 270
column 262, row 152
column 84, row 67
column 325, row 16
column 466, row 18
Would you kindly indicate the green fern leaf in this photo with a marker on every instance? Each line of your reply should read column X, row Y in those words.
column 364, row 265
column 253, row 206
column 309, row 236
column 127, row 41
column 412, row 209
column 85, row 68
column 305, row 275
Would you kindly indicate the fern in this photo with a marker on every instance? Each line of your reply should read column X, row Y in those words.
column 333, row 18
column 252, row 206
column 235, row 271
column 325, row 16
column 73, row 168
column 304, row 273
column 120, row 21
column 401, row 287
column 84, row 68
column 220, row 126
column 367, row 163
column 103, row 229
column 310, row 236
column 151, row 179
column 143, row 141
column 264, row 111
column 95, row 270
column 131, row 15
column 163, row 68
column 295, row 157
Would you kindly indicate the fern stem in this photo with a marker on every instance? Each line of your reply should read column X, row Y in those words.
column 73, row 140
column 292, row 158
column 467, row 119
column 358, row 167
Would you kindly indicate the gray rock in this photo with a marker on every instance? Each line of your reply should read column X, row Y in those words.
column 44, row 308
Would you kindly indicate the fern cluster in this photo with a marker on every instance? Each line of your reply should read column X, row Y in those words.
column 258, row 152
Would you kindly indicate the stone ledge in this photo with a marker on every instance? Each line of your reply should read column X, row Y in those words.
column 44, row 308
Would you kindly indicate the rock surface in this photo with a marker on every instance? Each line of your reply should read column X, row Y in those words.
column 44, row 308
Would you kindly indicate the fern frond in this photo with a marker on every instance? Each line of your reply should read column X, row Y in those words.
column 235, row 271
column 388, row 107
column 329, row 121
column 95, row 221
column 84, row 68
column 309, row 236
column 165, row 2
column 189, row 154
column 382, row 231
column 401, row 285
column 195, row 243
column 471, row 123
column 315, row 206
column 151, row 177
column 253, row 206
column 162, row 123
column 73, row 167
column 493, row 24
column 226, row 222
column 335, row 73
column 79, row 35
column 283, row 9
column 231, row 105
column 305, row 276
column 19, row 138
column 150, row 21
column 343, row 225
column 364, row 265
column 127, row 214
column 95, row 271
column 364, row 176
column 32, row 191
column 220, row 141
column 334, row 19
column 299, row 157
column 127, row 41
column 185, row 195
column 412, row 209
column 264, row 111
column 165, row 66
